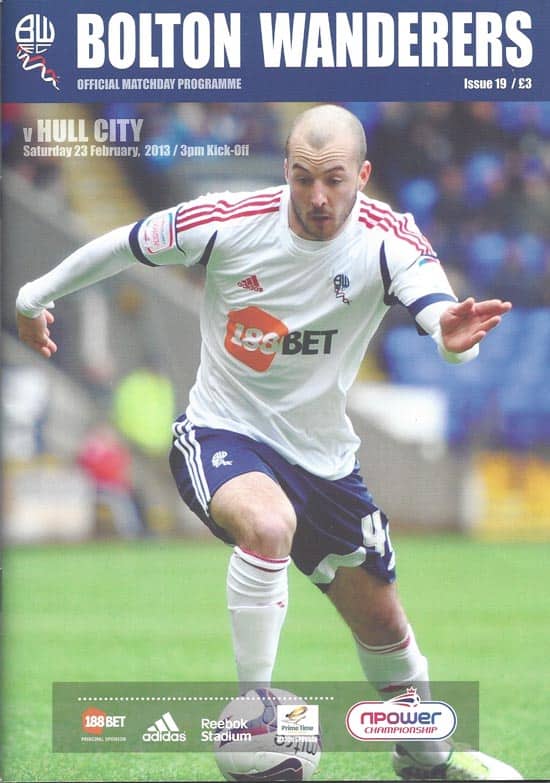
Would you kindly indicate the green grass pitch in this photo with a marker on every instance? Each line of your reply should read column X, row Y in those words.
column 155, row 611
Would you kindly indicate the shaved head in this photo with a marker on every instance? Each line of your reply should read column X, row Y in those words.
column 326, row 124
column 325, row 167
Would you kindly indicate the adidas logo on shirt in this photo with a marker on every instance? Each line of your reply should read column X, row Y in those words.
column 165, row 729
column 251, row 283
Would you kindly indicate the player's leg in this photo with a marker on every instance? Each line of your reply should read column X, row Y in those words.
column 256, row 513
column 223, row 480
column 386, row 645
column 390, row 657
column 369, row 605
column 342, row 543
column 354, row 564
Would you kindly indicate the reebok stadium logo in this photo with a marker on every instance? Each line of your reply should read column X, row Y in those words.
column 404, row 717
column 165, row 729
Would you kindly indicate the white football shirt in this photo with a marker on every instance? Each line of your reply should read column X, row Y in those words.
column 286, row 321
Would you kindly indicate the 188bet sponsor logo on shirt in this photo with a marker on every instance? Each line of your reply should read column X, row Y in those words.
column 255, row 337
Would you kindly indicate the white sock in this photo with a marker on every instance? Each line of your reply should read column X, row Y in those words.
column 257, row 598
column 391, row 668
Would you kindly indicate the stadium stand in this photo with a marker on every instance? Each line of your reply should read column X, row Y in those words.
column 501, row 401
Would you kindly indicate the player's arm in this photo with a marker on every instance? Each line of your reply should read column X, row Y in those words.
column 459, row 328
column 35, row 332
column 154, row 241
column 101, row 258
column 464, row 325
column 421, row 285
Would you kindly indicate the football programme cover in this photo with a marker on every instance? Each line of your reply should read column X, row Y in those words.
column 184, row 185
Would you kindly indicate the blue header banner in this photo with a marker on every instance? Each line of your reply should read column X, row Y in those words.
column 365, row 51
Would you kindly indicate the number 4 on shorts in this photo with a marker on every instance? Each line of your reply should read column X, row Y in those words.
column 375, row 535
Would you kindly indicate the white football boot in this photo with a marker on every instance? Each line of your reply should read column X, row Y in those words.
column 461, row 765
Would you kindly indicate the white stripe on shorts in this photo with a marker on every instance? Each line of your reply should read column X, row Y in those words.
column 187, row 443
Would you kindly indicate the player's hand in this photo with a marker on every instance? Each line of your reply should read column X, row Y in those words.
column 35, row 332
column 466, row 323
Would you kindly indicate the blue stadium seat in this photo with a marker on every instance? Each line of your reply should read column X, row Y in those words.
column 481, row 170
column 518, row 420
column 368, row 112
column 543, row 124
column 419, row 196
column 486, row 253
column 510, row 116
column 517, row 117
column 532, row 250
column 503, row 397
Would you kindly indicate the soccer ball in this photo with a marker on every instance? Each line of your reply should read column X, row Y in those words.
column 248, row 748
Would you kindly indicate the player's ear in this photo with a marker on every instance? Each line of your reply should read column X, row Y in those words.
column 364, row 174
column 285, row 169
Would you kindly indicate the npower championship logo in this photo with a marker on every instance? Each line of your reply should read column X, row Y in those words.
column 401, row 718
column 34, row 34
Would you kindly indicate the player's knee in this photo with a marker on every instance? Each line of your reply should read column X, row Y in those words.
column 271, row 533
column 388, row 621
column 379, row 623
column 257, row 515
column 370, row 607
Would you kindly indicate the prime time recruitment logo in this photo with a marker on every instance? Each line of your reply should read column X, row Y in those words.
column 34, row 35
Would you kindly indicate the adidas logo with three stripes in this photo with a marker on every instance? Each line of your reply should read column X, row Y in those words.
column 165, row 729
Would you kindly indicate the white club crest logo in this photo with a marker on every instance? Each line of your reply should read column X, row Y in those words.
column 219, row 459
column 34, row 35
column 341, row 283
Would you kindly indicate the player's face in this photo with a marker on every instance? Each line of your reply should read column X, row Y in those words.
column 323, row 187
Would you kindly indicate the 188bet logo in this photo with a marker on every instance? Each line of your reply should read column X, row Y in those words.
column 95, row 721
column 255, row 337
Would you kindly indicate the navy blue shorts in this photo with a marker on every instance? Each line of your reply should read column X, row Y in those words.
column 338, row 521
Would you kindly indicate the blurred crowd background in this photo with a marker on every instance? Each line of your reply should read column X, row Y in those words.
column 475, row 176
